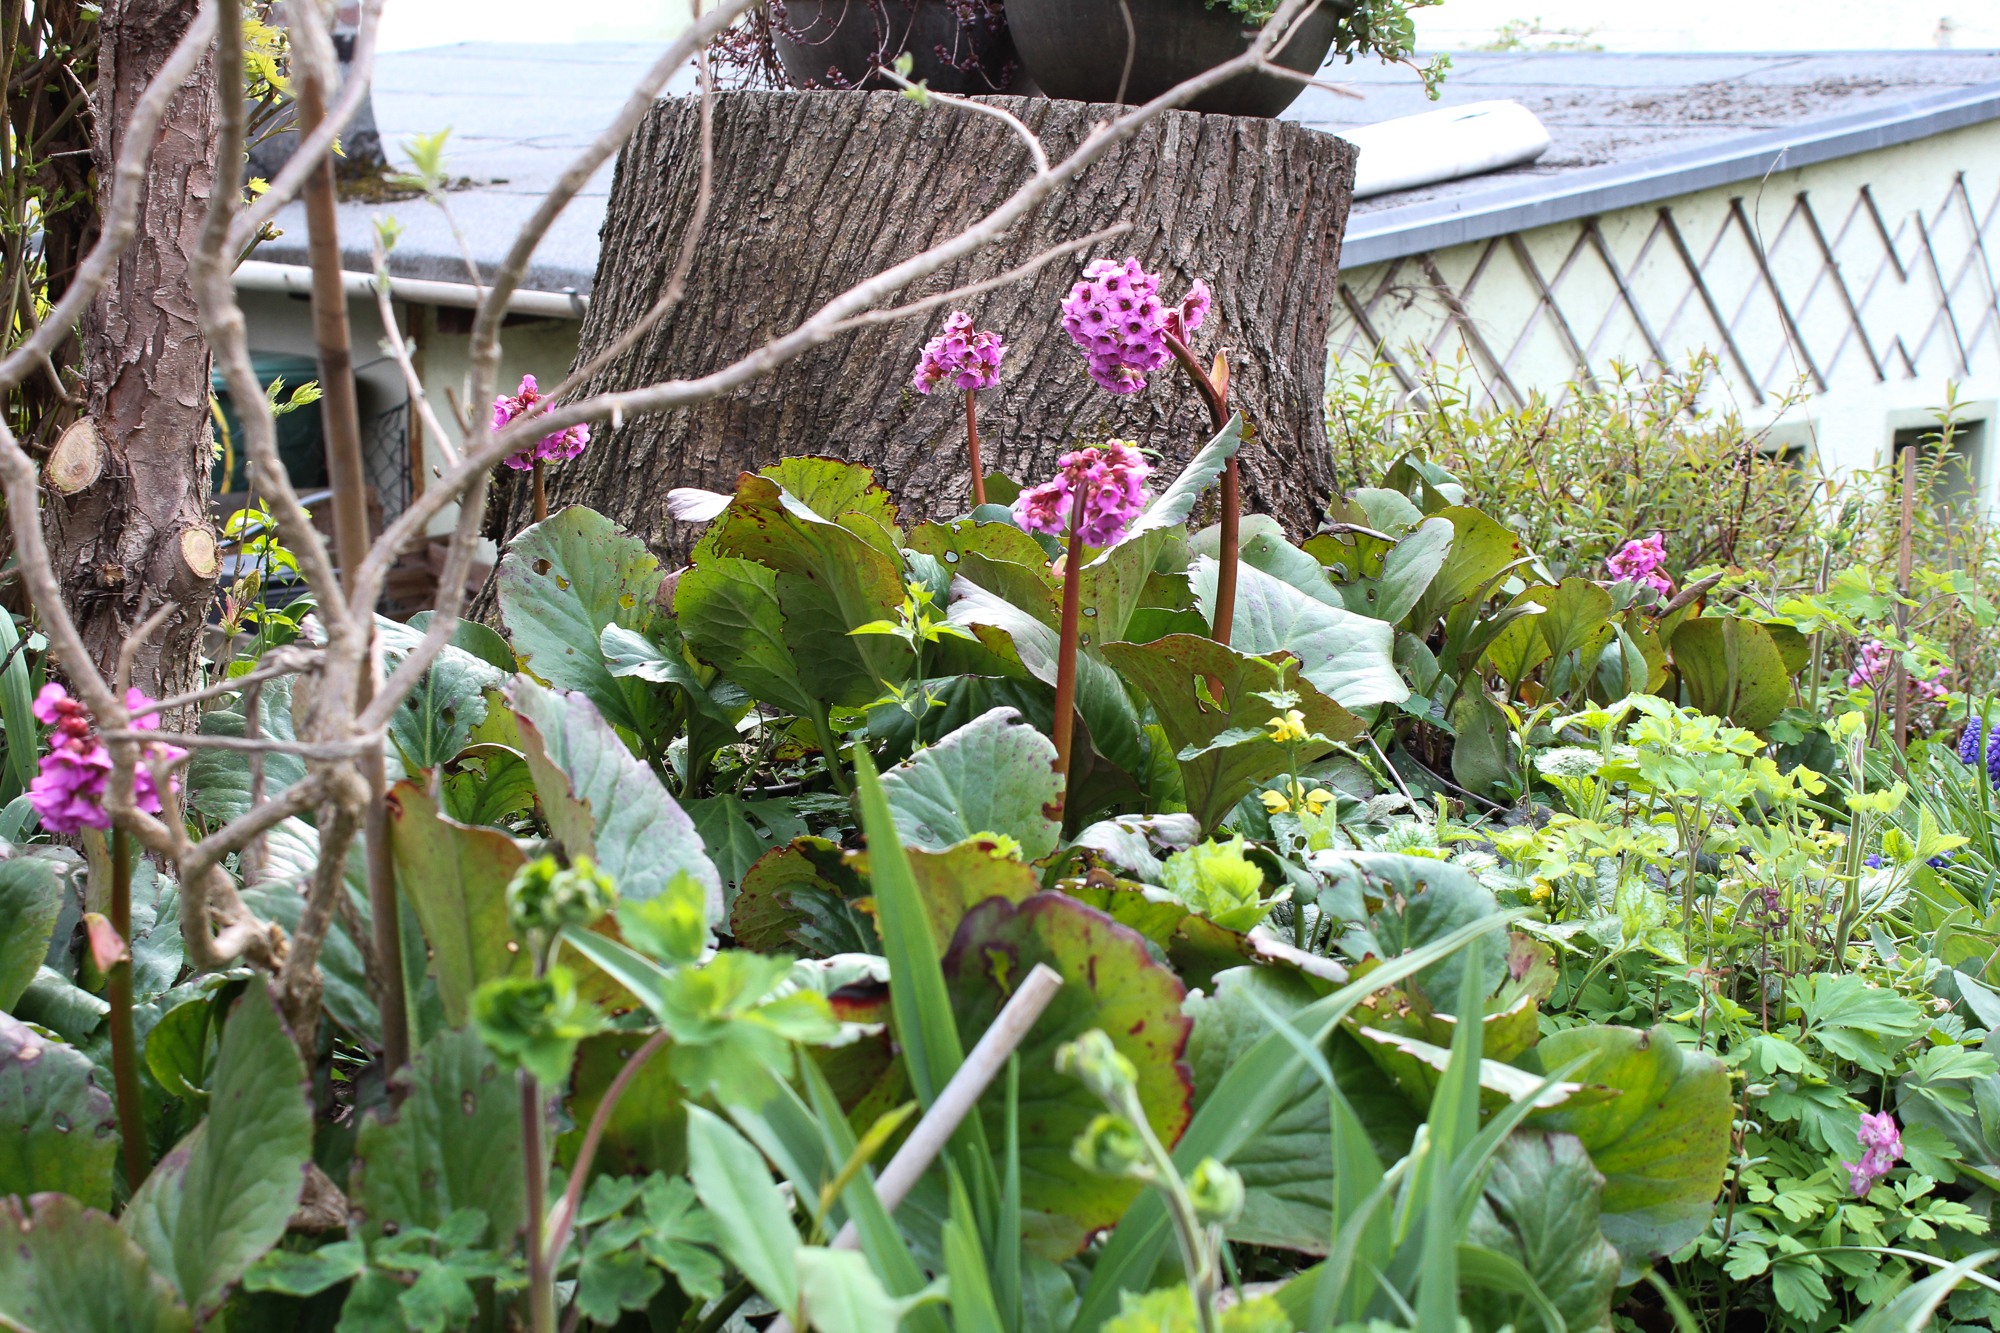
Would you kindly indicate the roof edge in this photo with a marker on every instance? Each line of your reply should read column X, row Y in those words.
column 1395, row 233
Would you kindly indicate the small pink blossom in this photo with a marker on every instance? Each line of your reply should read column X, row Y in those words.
column 560, row 447
column 1112, row 481
column 1116, row 317
column 963, row 355
column 1881, row 1144
column 1641, row 562
column 68, row 792
column 1871, row 668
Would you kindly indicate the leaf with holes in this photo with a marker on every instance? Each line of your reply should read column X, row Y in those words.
column 68, row 1269
column 58, row 1133
column 1110, row 982
column 453, row 1142
column 1348, row 658
column 560, row 583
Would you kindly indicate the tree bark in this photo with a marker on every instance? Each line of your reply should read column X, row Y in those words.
column 128, row 514
column 816, row 191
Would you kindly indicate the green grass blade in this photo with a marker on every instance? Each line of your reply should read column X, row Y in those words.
column 1454, row 1123
column 1498, row 1272
column 973, row 1309
column 1007, row 1244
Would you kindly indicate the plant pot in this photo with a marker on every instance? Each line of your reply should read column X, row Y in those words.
column 1076, row 49
column 843, row 43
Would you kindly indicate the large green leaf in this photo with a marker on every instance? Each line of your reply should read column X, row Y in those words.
column 1261, row 544
column 1482, row 756
column 998, row 557
column 836, row 572
column 1348, row 657
column 1663, row 1144
column 1422, row 901
column 995, row 775
column 603, row 802
column 1540, row 1210
column 455, row 876
column 453, row 1142
column 1176, row 501
column 1287, row 1166
column 1110, row 982
column 436, row 719
column 560, row 583
column 1480, row 549
column 58, row 1133
column 66, row 1268
column 1207, row 699
column 1576, row 615
column 1732, row 668
column 729, row 612
column 1408, row 569
column 800, row 899
column 222, row 1197
column 31, row 898
column 218, row 781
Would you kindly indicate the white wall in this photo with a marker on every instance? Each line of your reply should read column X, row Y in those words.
column 1724, row 25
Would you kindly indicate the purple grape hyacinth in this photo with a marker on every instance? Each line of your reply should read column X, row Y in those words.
column 964, row 356
column 1993, row 757
column 1116, row 317
column 1881, row 1145
column 1968, row 742
column 1112, row 479
column 68, row 792
column 560, row 447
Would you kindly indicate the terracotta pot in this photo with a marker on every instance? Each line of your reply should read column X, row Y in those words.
column 962, row 48
column 1076, row 49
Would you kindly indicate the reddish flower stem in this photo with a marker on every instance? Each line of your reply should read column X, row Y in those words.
column 972, row 449
column 1216, row 396
column 124, row 1037
column 541, row 493
column 1072, row 614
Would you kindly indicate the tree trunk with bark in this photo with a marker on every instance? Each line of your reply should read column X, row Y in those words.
column 128, row 483
column 816, row 191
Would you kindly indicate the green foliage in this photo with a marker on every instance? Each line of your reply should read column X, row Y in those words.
column 57, row 1130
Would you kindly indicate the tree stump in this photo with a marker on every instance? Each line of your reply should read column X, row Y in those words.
column 816, row 191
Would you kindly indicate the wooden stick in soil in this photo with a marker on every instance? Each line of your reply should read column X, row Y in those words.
column 972, row 449
column 982, row 1064
column 124, row 1038
column 341, row 414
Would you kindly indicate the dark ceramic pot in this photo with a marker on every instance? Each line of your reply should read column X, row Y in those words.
column 962, row 48
column 1076, row 49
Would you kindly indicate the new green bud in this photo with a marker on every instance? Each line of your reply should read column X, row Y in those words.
column 1216, row 1192
column 1109, row 1146
column 542, row 896
column 1093, row 1061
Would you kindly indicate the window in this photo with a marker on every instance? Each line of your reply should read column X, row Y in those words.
column 1949, row 463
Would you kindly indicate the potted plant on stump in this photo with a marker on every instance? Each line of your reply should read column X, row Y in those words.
column 957, row 46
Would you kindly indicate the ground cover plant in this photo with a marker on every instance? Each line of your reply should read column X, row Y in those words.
column 1095, row 909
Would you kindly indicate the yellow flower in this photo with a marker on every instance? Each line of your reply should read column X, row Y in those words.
column 1318, row 799
column 1275, row 802
column 1541, row 893
column 1288, row 728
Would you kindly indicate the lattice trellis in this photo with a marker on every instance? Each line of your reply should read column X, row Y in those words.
column 1901, row 285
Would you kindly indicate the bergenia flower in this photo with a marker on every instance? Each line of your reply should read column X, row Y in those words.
column 68, row 792
column 1870, row 665
column 1640, row 562
column 962, row 355
column 1968, row 742
column 1881, row 1145
column 1116, row 317
column 1112, row 481
column 560, row 447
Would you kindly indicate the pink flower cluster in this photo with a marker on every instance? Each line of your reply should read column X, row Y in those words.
column 1641, row 562
column 961, row 354
column 560, row 447
column 1872, row 665
column 1881, row 1149
column 1116, row 317
column 68, row 792
column 1110, row 477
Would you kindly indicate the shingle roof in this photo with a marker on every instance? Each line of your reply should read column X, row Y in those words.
column 1622, row 125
